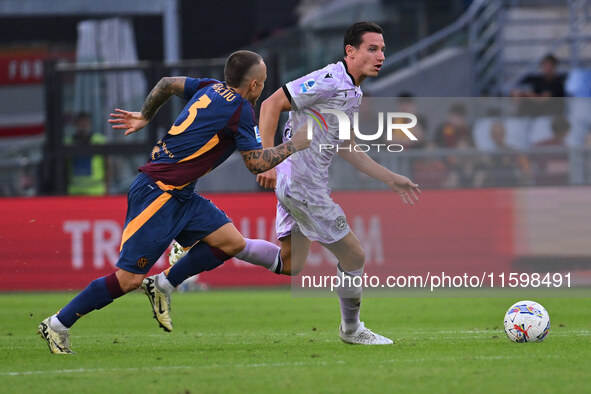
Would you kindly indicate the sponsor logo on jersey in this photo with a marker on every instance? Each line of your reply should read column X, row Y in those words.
column 307, row 85
column 257, row 134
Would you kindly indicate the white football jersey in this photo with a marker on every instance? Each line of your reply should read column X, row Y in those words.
column 331, row 87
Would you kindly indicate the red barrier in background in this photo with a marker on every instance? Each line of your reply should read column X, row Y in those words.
column 65, row 242
column 456, row 231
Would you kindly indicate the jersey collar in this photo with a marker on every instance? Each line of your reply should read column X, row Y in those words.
column 347, row 71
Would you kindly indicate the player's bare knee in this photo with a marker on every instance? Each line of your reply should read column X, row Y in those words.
column 129, row 281
column 234, row 247
column 355, row 260
column 357, row 257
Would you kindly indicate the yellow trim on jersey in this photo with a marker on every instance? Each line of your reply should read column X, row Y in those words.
column 166, row 187
column 143, row 217
column 208, row 146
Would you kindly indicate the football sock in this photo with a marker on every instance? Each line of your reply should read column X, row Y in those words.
column 201, row 257
column 162, row 283
column 349, row 298
column 260, row 252
column 56, row 325
column 99, row 293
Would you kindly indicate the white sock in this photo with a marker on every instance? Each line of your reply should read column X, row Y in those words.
column 260, row 252
column 56, row 325
column 350, row 300
column 163, row 284
column 350, row 328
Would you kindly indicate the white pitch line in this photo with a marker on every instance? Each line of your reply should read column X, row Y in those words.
column 261, row 365
column 553, row 332
column 564, row 332
column 84, row 370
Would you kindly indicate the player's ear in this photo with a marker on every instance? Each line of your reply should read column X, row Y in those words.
column 350, row 51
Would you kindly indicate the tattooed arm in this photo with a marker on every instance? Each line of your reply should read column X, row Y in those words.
column 261, row 160
column 135, row 121
column 165, row 88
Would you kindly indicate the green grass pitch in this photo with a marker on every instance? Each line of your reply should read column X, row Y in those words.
column 265, row 341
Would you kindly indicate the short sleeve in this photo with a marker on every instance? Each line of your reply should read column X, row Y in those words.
column 192, row 85
column 248, row 137
column 310, row 89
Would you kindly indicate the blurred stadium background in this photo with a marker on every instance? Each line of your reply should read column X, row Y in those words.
column 507, row 175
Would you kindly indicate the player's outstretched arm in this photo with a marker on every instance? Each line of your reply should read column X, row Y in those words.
column 270, row 111
column 260, row 160
column 406, row 189
column 135, row 121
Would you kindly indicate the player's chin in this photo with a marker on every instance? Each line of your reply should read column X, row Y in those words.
column 373, row 72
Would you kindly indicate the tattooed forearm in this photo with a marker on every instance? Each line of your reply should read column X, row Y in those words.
column 261, row 160
column 165, row 88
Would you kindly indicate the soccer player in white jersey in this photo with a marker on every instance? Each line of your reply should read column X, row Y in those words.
column 305, row 211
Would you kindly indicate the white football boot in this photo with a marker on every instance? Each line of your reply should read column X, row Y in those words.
column 160, row 301
column 191, row 284
column 363, row 336
column 58, row 342
column 177, row 252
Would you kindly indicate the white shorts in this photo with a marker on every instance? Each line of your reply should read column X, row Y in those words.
column 310, row 211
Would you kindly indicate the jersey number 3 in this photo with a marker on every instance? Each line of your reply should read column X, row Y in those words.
column 203, row 102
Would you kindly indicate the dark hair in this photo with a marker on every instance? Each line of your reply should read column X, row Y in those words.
column 550, row 58
column 238, row 65
column 82, row 115
column 355, row 32
column 406, row 97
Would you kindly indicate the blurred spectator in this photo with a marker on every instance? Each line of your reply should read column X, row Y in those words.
column 455, row 133
column 469, row 171
column 506, row 167
column 27, row 184
column 406, row 103
column 550, row 84
column 430, row 172
column 553, row 168
column 537, row 97
column 455, row 129
column 578, row 85
column 87, row 174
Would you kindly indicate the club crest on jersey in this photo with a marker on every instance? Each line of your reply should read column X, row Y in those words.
column 307, row 85
column 340, row 223
column 257, row 134
column 142, row 262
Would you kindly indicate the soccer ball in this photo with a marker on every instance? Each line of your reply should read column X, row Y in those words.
column 527, row 321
